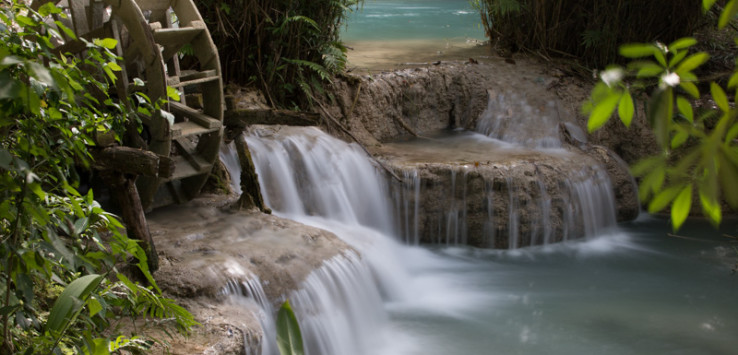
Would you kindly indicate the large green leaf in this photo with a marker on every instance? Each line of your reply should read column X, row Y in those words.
column 728, row 13
column 681, row 206
column 602, row 111
column 682, row 43
column 638, row 50
column 685, row 108
column 70, row 301
column 711, row 208
column 289, row 337
column 663, row 198
column 719, row 96
column 692, row 62
column 626, row 108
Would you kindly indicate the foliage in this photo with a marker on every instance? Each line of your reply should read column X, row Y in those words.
column 587, row 30
column 289, row 337
column 289, row 48
column 58, row 245
column 699, row 159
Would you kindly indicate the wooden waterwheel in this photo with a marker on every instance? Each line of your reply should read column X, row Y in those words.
column 151, row 37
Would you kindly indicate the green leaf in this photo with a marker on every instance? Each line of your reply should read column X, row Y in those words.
column 707, row 4
column 602, row 111
column 733, row 82
column 660, row 57
column 682, row 43
column 681, row 206
column 626, row 108
column 732, row 133
column 649, row 70
column 692, row 62
column 663, row 198
column 69, row 302
column 94, row 306
column 108, row 43
column 679, row 138
column 114, row 66
column 289, row 337
column 48, row 9
column 661, row 113
column 685, row 108
column 652, row 183
column 25, row 21
column 719, row 96
column 727, row 14
column 711, row 208
column 67, row 30
column 677, row 58
column 173, row 93
column 690, row 88
column 638, row 50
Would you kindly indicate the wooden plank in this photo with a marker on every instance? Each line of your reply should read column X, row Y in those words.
column 183, row 169
column 194, row 115
column 173, row 39
column 243, row 118
column 189, row 128
column 178, row 82
column 79, row 17
column 154, row 5
column 97, row 13
column 189, row 152
column 124, row 191
column 132, row 161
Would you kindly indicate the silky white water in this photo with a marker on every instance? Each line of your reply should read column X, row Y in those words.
column 631, row 291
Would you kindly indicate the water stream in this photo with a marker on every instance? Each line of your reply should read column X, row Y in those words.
column 631, row 290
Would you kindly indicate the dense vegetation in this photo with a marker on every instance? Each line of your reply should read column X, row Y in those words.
column 589, row 31
column 61, row 287
column 287, row 48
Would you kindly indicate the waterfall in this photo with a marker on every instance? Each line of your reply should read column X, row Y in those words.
column 511, row 117
column 313, row 178
column 250, row 294
column 229, row 157
column 305, row 172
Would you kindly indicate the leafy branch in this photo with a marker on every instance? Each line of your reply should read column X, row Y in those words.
column 699, row 158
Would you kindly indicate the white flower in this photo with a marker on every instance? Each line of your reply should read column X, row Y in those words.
column 662, row 47
column 669, row 80
column 612, row 76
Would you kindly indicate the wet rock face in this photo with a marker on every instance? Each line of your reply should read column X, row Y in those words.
column 502, row 204
column 490, row 199
column 204, row 249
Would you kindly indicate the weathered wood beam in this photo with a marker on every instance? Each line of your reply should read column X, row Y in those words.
column 132, row 161
column 243, row 118
column 251, row 190
column 123, row 189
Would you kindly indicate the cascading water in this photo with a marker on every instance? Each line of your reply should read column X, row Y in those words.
column 510, row 117
column 395, row 299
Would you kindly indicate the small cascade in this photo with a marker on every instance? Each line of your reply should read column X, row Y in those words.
column 513, row 210
column 250, row 294
column 506, row 209
column 339, row 308
column 229, row 157
column 512, row 118
column 593, row 200
column 306, row 172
